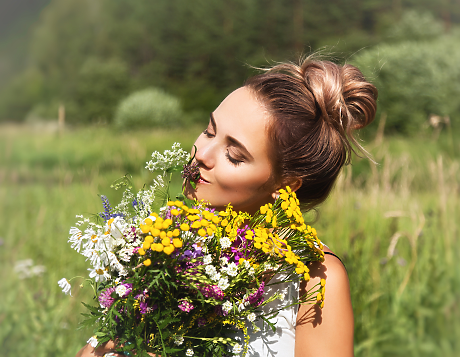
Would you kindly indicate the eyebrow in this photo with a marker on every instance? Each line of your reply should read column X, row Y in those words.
column 232, row 140
column 213, row 121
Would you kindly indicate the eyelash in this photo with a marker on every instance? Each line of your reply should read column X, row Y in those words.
column 227, row 154
column 232, row 160
column 207, row 133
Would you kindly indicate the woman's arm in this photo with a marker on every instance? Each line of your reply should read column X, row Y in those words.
column 110, row 346
column 326, row 332
column 89, row 351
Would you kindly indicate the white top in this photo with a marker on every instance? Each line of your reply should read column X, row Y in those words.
column 280, row 343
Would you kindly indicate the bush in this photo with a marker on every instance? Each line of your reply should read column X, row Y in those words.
column 151, row 107
column 416, row 26
column 414, row 79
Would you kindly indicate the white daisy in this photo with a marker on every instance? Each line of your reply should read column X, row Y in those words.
column 92, row 341
column 189, row 352
column 99, row 274
column 93, row 256
column 91, row 239
column 65, row 286
column 75, row 238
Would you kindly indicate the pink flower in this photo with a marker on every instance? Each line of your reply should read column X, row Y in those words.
column 212, row 291
column 105, row 298
column 185, row 306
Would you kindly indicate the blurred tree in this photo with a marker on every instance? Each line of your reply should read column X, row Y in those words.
column 21, row 94
column 415, row 78
column 99, row 87
column 416, row 26
column 67, row 34
column 197, row 50
column 16, row 21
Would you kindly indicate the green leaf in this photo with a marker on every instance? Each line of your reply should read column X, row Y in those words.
column 125, row 181
column 175, row 169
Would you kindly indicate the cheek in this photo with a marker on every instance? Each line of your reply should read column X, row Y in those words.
column 244, row 180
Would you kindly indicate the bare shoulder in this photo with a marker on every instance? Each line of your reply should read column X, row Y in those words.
column 327, row 331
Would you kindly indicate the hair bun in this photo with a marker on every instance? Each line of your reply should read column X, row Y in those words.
column 344, row 99
column 359, row 96
column 343, row 96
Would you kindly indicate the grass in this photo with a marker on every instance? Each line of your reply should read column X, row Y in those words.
column 394, row 225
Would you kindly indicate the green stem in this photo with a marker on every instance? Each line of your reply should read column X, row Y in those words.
column 161, row 338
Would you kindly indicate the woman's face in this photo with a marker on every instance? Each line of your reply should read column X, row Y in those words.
column 233, row 156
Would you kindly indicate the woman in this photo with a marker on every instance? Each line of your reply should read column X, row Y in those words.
column 291, row 125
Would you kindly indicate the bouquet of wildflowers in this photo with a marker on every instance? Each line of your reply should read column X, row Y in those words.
column 178, row 278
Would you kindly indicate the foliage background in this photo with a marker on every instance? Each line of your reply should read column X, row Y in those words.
column 394, row 224
column 89, row 55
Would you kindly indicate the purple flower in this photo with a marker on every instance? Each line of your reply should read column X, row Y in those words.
column 239, row 246
column 143, row 307
column 257, row 298
column 201, row 321
column 192, row 254
column 185, row 306
column 212, row 291
column 187, row 254
column 105, row 298
column 198, row 251
column 108, row 210
column 144, row 303
column 191, row 172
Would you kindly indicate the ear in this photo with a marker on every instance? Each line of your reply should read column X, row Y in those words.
column 293, row 182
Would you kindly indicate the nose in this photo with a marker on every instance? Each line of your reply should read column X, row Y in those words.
column 205, row 154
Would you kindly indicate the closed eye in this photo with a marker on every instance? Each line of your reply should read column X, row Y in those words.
column 208, row 133
column 234, row 161
column 211, row 130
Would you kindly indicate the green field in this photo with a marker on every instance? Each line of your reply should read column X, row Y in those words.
column 394, row 224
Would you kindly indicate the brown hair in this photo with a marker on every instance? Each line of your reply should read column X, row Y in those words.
column 314, row 107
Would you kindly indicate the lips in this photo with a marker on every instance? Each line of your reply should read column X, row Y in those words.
column 202, row 180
